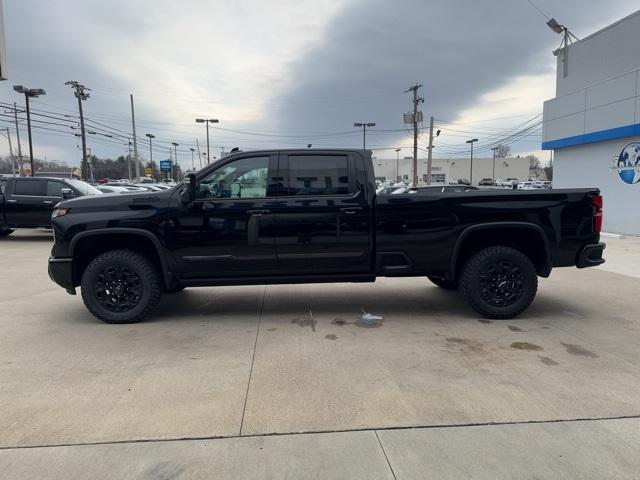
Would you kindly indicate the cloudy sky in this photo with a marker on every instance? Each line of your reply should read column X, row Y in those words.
column 289, row 72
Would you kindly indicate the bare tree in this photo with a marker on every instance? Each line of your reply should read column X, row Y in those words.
column 502, row 151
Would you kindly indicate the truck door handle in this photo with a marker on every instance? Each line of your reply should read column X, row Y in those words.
column 12, row 201
column 47, row 202
column 258, row 213
column 350, row 210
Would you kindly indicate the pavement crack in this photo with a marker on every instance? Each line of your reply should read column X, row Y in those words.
column 253, row 358
column 319, row 432
column 385, row 454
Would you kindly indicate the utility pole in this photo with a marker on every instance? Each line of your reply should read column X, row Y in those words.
column 15, row 117
column 81, row 94
column 199, row 153
column 193, row 163
column 174, row 172
column 493, row 175
column 129, row 160
column 398, row 164
column 430, row 153
column 414, row 120
column 471, row 142
column 13, row 159
column 135, row 143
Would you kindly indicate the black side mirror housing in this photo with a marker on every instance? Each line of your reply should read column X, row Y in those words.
column 67, row 193
column 188, row 193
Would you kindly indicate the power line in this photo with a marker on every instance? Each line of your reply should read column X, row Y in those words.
column 539, row 10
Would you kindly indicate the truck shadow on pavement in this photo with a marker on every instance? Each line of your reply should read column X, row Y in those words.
column 245, row 304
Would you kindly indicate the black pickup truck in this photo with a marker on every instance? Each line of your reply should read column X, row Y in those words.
column 27, row 202
column 307, row 216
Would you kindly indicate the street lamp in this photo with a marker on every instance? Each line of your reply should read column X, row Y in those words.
column 364, row 131
column 207, row 121
column 398, row 164
column 150, row 136
column 471, row 142
column 175, row 149
column 29, row 93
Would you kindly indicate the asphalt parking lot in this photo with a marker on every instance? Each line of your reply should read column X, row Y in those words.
column 285, row 382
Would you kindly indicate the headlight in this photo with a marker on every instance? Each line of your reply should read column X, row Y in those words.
column 59, row 212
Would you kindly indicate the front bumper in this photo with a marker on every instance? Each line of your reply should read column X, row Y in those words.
column 60, row 271
column 590, row 255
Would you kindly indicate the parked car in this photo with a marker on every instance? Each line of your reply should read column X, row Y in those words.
column 27, row 202
column 113, row 189
column 443, row 189
column 463, row 181
column 487, row 182
column 507, row 182
column 526, row 186
column 306, row 216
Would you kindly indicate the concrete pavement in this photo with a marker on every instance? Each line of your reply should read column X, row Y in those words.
column 245, row 363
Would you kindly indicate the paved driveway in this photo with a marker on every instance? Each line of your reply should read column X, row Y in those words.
column 284, row 381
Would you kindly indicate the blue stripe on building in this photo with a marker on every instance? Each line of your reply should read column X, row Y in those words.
column 593, row 137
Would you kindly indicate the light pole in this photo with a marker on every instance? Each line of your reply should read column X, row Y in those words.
column 471, row 142
column 150, row 137
column 193, row 163
column 29, row 93
column 175, row 149
column 207, row 121
column 398, row 164
column 364, row 131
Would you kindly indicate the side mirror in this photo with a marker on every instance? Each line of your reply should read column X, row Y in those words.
column 67, row 193
column 188, row 193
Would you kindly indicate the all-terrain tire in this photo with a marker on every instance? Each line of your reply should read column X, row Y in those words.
column 444, row 283
column 5, row 232
column 118, row 271
column 492, row 271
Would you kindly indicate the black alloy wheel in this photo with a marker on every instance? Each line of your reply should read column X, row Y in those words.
column 499, row 282
column 121, row 286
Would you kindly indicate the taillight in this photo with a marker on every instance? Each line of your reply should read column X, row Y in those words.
column 596, row 200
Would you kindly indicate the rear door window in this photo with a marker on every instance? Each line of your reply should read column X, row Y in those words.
column 28, row 187
column 318, row 175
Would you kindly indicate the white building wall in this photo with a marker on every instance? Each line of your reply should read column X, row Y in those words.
column 455, row 168
column 591, row 166
column 607, row 53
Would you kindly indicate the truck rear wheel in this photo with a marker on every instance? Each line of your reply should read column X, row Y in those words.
column 499, row 282
column 121, row 286
column 444, row 283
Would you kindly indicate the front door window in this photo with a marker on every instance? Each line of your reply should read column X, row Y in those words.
column 244, row 178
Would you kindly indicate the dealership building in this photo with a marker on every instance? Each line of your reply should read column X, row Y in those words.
column 593, row 124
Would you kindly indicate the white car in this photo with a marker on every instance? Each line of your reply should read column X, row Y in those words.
column 526, row 186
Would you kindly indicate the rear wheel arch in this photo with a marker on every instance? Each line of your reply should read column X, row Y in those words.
column 86, row 246
column 528, row 238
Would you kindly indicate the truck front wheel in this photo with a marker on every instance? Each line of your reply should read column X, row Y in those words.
column 121, row 286
column 499, row 282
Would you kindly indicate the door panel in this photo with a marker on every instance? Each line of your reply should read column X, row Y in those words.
column 25, row 207
column 229, row 229
column 323, row 220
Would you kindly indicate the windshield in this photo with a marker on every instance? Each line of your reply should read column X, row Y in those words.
column 83, row 187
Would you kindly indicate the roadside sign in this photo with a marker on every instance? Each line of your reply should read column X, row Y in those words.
column 165, row 165
column 148, row 171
